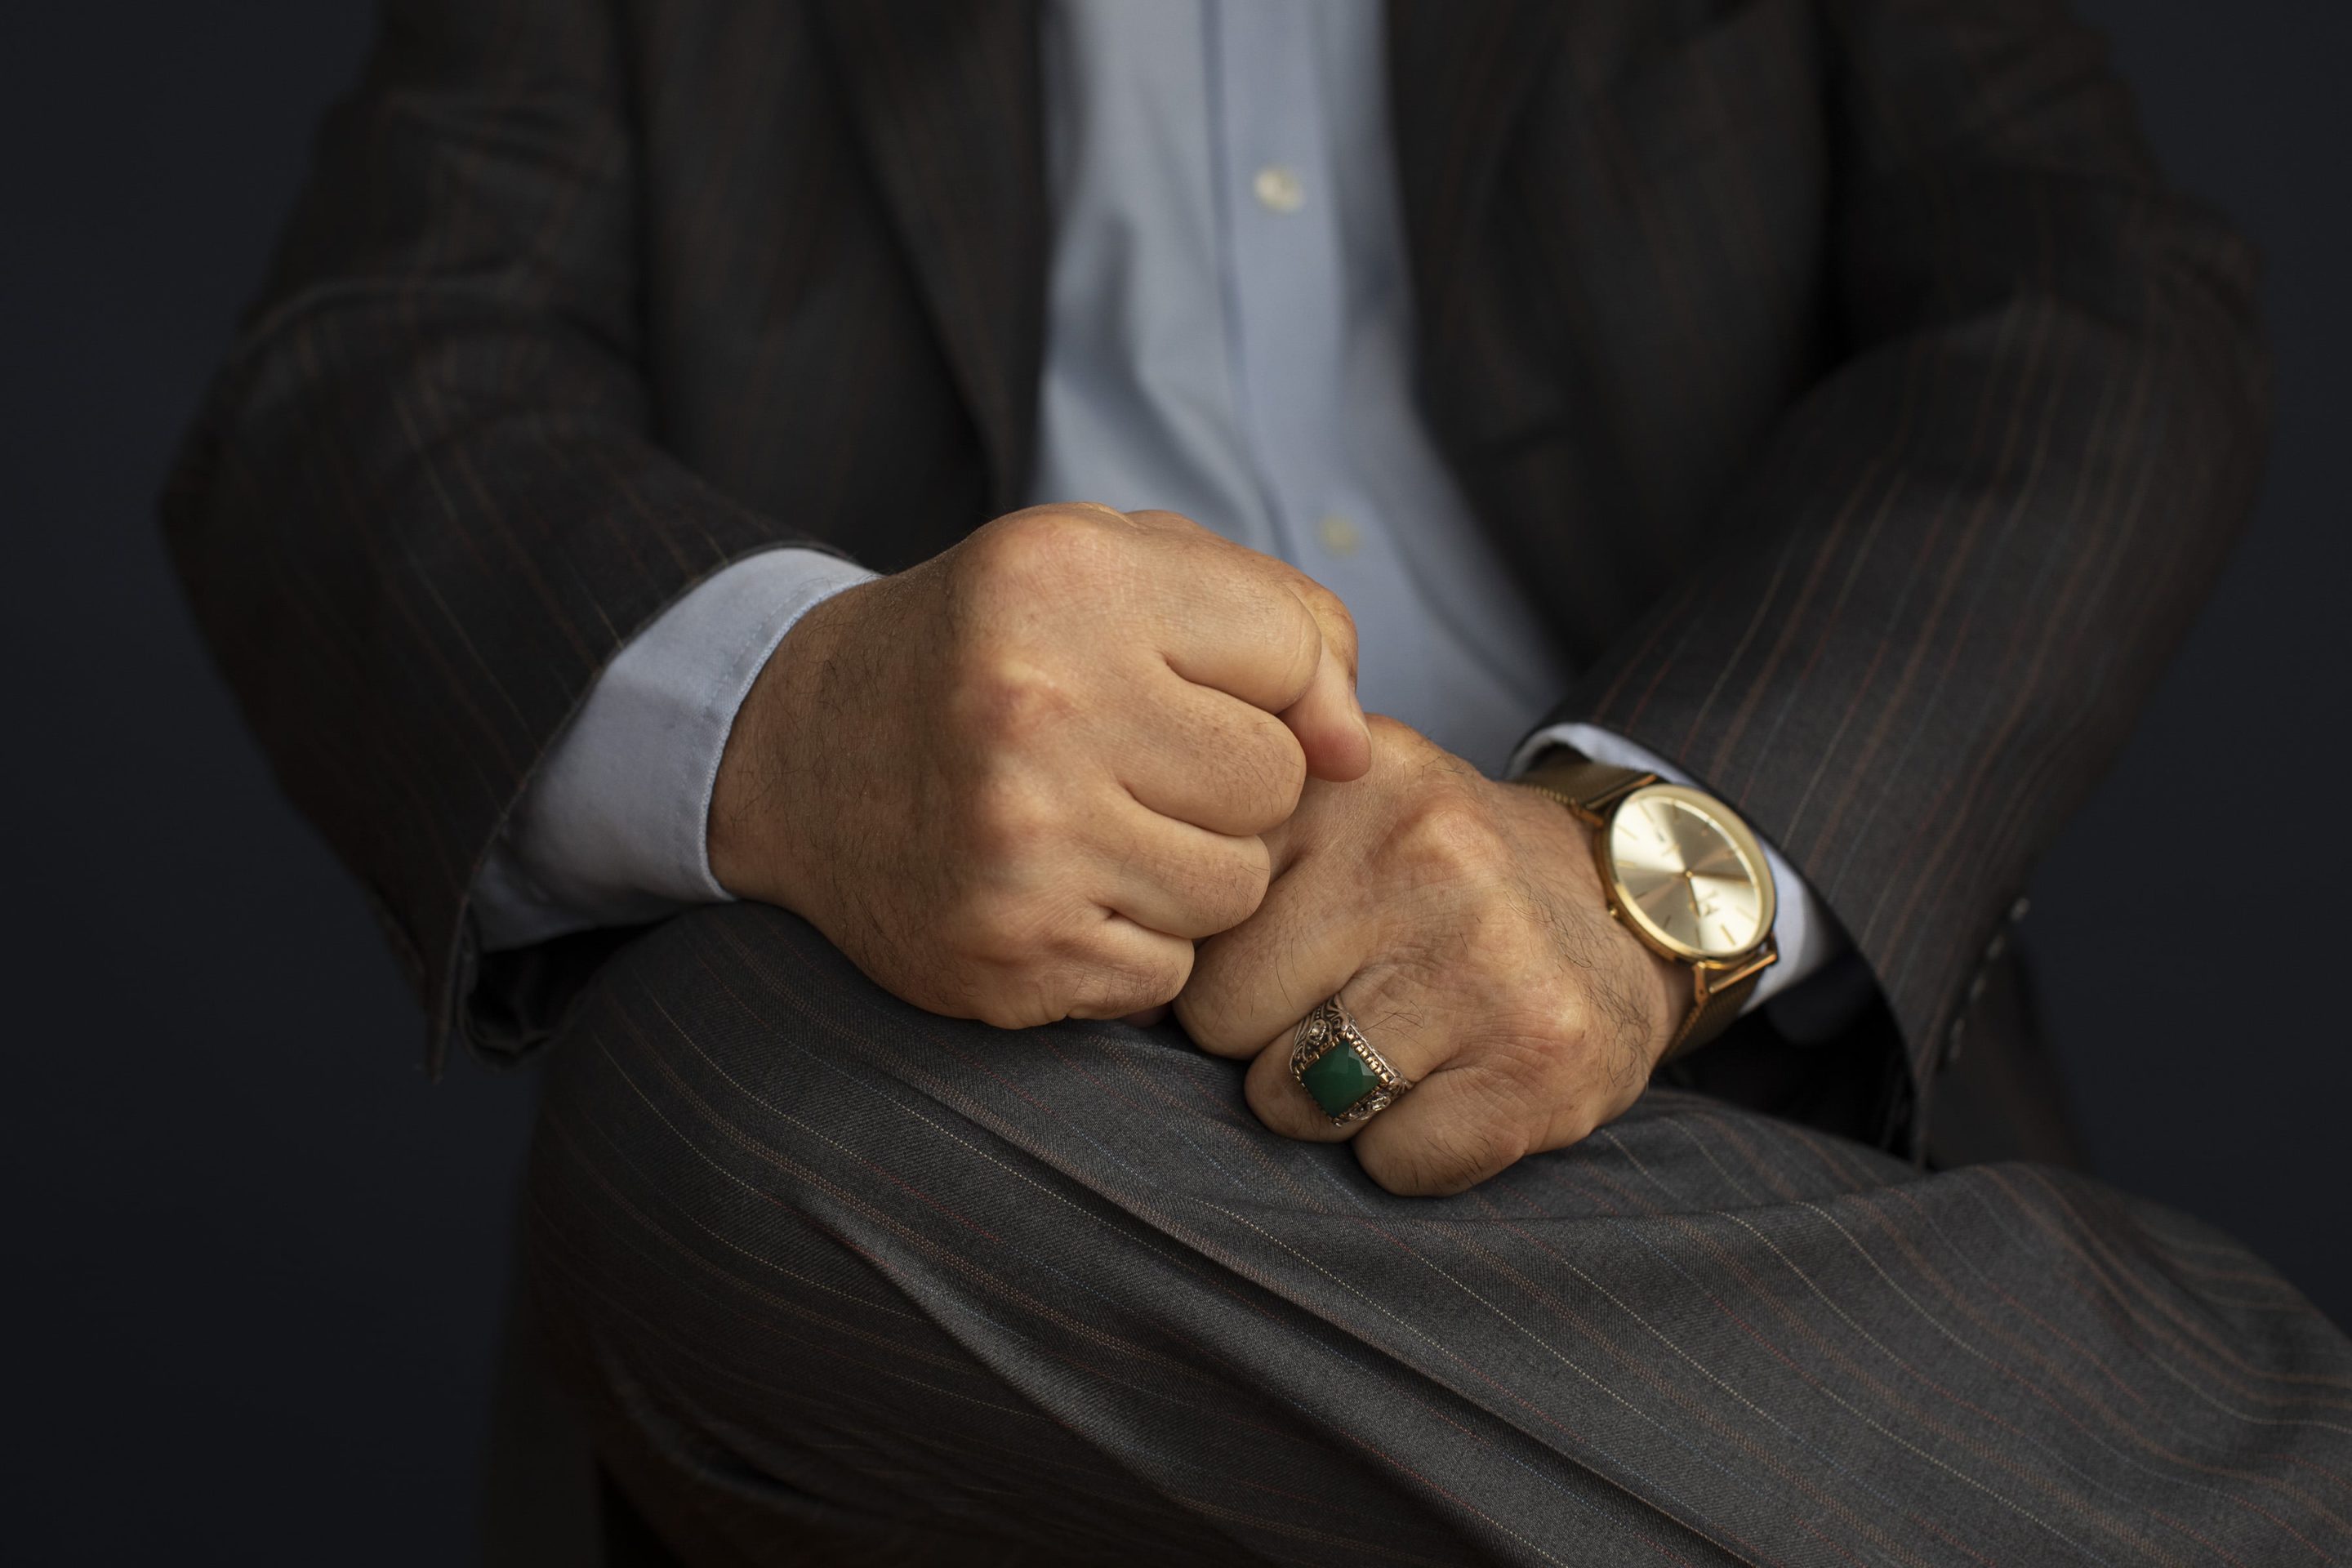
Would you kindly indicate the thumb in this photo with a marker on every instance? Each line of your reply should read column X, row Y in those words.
column 1328, row 719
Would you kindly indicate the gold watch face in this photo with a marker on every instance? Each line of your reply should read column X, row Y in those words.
column 1689, row 874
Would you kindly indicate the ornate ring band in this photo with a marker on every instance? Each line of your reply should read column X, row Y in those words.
column 1339, row 1069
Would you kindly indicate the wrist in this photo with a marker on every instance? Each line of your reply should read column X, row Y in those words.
column 767, row 810
column 1657, row 987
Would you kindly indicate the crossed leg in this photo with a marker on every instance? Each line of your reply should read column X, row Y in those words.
column 840, row 1280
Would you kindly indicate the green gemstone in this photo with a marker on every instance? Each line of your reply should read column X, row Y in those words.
column 1337, row 1078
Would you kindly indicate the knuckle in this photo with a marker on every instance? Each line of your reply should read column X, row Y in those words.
column 1044, row 542
column 1306, row 654
column 1173, row 971
column 1406, row 762
column 1029, row 989
column 1267, row 771
column 1035, row 959
column 1336, row 621
column 1250, row 872
column 1046, row 555
column 1004, row 702
column 1400, row 739
column 1152, row 516
column 1571, row 1028
column 1016, row 994
column 1225, row 887
column 1001, row 928
column 1447, row 838
column 1109, row 988
column 1551, row 1006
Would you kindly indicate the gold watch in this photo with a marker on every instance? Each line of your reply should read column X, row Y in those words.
column 1683, row 873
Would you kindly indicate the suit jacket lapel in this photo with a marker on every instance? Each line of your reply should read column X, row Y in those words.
column 946, row 95
column 1458, row 75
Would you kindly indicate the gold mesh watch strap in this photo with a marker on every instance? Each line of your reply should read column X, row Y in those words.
column 1586, row 787
column 1719, row 997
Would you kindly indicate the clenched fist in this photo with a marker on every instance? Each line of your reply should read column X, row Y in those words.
column 1014, row 783
column 1463, row 923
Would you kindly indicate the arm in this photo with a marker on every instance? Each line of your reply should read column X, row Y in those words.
column 1956, row 572
column 1963, row 559
column 425, row 509
column 423, row 506
column 614, row 829
column 1808, row 937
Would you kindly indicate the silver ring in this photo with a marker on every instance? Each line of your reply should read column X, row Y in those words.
column 1347, row 1080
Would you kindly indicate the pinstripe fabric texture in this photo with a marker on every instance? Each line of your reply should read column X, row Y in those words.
column 1885, row 413
column 1863, row 410
column 842, row 1281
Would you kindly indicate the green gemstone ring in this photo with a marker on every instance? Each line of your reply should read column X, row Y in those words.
column 1339, row 1068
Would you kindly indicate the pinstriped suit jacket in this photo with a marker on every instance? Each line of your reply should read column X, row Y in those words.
column 1863, row 410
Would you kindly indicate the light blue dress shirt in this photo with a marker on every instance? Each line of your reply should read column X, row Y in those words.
column 1229, row 335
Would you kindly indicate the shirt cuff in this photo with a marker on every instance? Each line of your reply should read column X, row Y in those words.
column 1801, row 928
column 614, row 828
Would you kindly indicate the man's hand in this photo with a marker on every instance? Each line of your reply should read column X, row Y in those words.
column 1012, row 784
column 1462, row 923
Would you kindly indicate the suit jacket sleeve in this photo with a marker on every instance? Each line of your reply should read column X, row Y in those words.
column 423, row 506
column 1967, row 552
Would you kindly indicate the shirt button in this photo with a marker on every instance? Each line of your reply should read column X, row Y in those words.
column 1339, row 535
column 1277, row 188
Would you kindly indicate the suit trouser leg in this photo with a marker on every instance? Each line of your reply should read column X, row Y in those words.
column 836, row 1279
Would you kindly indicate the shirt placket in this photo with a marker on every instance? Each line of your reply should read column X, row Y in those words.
column 1284, row 272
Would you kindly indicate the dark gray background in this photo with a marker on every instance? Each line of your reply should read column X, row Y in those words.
column 254, row 1259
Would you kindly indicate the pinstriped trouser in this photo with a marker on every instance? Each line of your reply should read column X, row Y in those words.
column 838, row 1280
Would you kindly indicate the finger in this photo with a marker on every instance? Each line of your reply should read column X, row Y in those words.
column 1391, row 1015
column 1327, row 719
column 1123, row 968
column 1456, row 1128
column 1487, row 1108
column 1257, row 628
column 1276, row 1099
column 1248, row 985
column 1214, row 761
column 1170, row 876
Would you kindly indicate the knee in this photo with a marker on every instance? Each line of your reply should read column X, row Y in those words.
column 698, row 1189
column 736, row 1039
column 706, row 1016
column 705, row 1087
column 789, row 1238
column 744, row 1142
